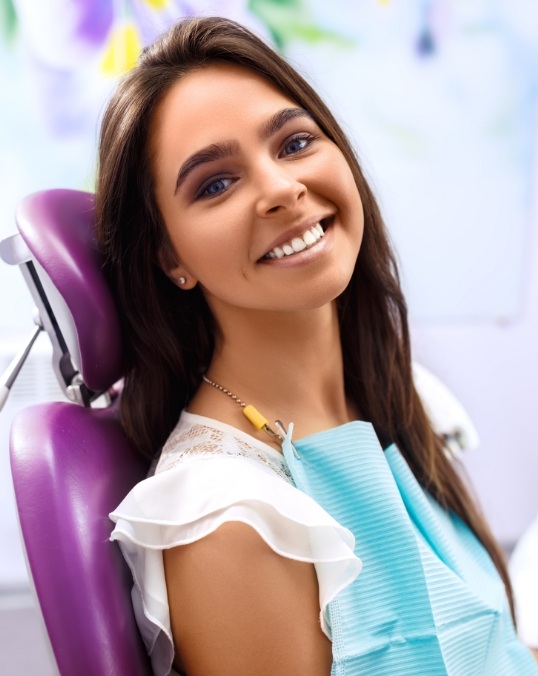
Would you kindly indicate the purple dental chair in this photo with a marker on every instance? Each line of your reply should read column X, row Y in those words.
column 70, row 461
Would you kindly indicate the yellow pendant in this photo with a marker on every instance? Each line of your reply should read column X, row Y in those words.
column 255, row 417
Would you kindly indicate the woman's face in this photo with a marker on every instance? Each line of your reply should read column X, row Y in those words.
column 244, row 177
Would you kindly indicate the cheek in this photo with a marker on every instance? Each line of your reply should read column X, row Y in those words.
column 353, row 201
column 343, row 189
column 339, row 182
column 204, row 245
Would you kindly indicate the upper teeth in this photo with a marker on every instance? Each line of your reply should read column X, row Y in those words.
column 308, row 238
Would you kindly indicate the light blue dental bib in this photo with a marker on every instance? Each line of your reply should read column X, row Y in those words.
column 429, row 600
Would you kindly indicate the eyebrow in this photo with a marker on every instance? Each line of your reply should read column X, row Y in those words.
column 278, row 120
column 218, row 151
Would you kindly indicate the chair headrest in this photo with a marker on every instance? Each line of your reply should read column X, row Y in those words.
column 58, row 228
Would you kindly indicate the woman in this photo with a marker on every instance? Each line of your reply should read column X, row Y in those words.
column 251, row 265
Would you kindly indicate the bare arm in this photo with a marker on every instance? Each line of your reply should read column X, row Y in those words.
column 238, row 608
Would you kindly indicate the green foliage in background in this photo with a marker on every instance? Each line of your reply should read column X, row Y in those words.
column 290, row 20
column 8, row 21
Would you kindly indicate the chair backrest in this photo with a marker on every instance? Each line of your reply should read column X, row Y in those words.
column 72, row 464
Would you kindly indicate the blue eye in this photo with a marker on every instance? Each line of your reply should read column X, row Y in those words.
column 297, row 144
column 214, row 187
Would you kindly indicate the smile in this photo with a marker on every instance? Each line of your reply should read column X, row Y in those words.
column 309, row 238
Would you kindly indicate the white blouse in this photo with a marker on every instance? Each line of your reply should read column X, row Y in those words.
column 210, row 473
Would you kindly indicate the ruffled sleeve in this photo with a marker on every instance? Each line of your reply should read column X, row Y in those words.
column 192, row 499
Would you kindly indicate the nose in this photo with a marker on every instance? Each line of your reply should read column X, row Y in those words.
column 278, row 189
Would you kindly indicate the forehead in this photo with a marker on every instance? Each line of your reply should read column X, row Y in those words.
column 212, row 104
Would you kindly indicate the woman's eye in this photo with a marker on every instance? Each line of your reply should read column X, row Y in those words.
column 297, row 144
column 214, row 187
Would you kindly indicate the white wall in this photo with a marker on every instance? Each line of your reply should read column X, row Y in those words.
column 493, row 369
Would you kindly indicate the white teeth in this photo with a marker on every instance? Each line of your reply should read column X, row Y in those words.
column 309, row 238
column 297, row 244
column 288, row 250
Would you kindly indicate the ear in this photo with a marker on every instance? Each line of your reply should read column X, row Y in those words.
column 175, row 271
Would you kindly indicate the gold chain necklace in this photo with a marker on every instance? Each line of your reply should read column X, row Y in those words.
column 251, row 413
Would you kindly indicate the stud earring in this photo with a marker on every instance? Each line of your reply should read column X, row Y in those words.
column 182, row 280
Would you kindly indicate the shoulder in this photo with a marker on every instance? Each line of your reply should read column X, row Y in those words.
column 196, row 437
column 246, row 530
column 208, row 476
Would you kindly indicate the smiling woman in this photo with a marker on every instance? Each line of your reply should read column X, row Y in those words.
column 252, row 271
column 256, row 174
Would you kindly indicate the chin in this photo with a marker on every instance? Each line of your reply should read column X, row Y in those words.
column 328, row 291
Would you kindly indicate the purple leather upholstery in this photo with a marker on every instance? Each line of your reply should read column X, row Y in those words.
column 71, row 466
column 57, row 226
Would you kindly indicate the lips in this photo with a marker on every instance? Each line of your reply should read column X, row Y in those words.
column 299, row 242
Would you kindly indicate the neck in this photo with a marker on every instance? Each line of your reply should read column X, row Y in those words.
column 289, row 366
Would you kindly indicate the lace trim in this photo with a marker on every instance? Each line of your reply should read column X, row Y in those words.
column 204, row 441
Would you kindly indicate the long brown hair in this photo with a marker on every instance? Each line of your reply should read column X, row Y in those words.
column 169, row 334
